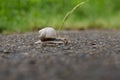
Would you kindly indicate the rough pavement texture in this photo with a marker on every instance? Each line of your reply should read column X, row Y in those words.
column 91, row 55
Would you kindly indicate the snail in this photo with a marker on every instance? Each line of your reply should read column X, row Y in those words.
column 49, row 35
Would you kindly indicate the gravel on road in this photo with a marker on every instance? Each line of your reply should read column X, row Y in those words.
column 90, row 55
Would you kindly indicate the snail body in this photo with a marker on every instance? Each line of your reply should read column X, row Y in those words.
column 47, row 33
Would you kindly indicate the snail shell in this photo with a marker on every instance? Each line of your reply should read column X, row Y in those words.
column 47, row 33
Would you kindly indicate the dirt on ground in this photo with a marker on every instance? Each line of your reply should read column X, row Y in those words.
column 90, row 55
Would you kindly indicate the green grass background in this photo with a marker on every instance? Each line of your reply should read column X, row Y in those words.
column 29, row 15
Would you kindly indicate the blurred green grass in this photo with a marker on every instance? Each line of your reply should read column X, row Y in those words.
column 29, row 15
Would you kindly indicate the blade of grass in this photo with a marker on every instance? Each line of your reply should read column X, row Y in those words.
column 69, row 13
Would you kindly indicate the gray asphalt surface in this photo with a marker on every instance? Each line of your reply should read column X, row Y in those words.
column 91, row 55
